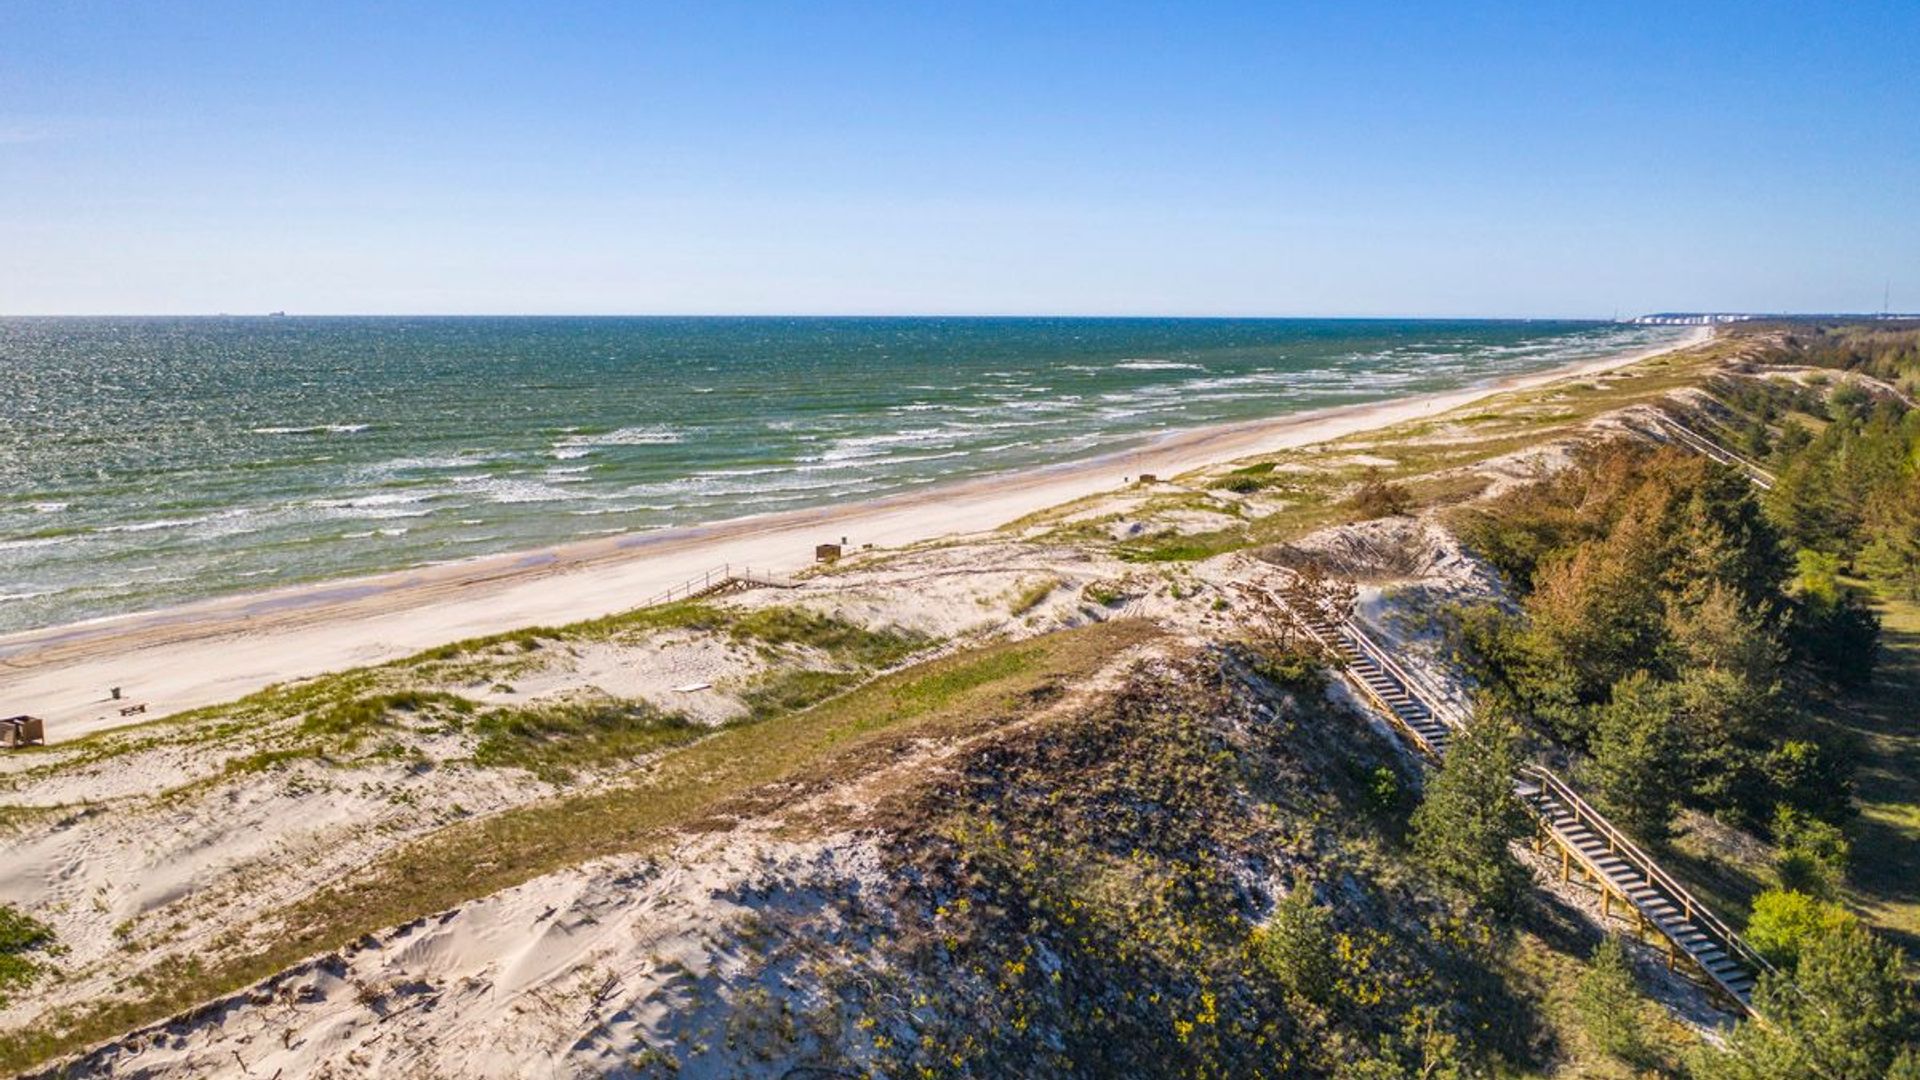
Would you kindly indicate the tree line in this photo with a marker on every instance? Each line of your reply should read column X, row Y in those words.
column 1672, row 631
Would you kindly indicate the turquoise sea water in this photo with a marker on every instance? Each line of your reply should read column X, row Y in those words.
column 147, row 462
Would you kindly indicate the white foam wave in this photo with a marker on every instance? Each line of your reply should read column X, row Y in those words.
column 163, row 523
column 1157, row 365
column 627, row 436
column 36, row 542
column 366, row 502
column 313, row 429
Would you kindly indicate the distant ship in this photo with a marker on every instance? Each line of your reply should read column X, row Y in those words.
column 276, row 314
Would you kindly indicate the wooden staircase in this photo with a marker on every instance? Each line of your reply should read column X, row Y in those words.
column 1375, row 675
column 1700, row 444
column 1630, row 877
column 718, row 581
column 1626, row 876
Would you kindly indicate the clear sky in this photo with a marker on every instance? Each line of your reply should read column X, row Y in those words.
column 904, row 157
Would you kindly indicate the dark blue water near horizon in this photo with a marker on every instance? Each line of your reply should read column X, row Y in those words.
column 152, row 461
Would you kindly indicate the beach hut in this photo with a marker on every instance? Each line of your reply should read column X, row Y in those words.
column 23, row 731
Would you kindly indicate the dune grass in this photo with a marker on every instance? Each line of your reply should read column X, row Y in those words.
column 1411, row 453
column 709, row 781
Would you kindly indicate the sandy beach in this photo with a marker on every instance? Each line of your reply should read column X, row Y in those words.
column 186, row 657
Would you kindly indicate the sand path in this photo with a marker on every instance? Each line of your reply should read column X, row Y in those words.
column 203, row 653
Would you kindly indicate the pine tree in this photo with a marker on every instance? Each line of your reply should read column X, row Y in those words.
column 1462, row 828
column 1638, row 763
column 1848, row 1013
column 1609, row 1003
column 1892, row 552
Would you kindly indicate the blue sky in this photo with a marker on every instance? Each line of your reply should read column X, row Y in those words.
column 1261, row 159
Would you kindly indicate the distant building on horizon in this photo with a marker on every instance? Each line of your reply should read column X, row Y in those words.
column 1711, row 318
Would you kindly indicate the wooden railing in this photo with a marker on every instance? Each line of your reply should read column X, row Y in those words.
column 1760, row 476
column 718, row 578
column 1418, row 686
column 1692, row 909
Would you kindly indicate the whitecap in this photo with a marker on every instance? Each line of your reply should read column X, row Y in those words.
column 1158, row 365
column 37, row 542
column 364, row 502
column 313, row 429
column 163, row 523
column 626, row 436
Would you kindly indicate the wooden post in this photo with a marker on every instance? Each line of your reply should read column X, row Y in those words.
column 1606, row 904
column 1566, row 865
column 1669, row 954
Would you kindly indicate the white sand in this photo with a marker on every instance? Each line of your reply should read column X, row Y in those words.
column 200, row 654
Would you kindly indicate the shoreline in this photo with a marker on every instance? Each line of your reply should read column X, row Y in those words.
column 180, row 658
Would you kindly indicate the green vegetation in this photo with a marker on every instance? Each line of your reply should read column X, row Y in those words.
column 1429, row 462
column 1848, row 1012
column 1464, row 825
column 1659, row 636
column 1878, row 723
column 789, row 691
column 1697, row 644
column 1296, row 946
column 1784, row 921
column 1378, row 497
column 548, row 739
column 354, row 716
column 25, row 942
column 1032, row 596
column 1079, row 895
column 1610, row 1005
column 845, row 642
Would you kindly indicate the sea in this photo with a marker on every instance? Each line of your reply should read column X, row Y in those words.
column 148, row 462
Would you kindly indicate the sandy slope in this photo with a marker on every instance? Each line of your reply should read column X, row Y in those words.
column 200, row 654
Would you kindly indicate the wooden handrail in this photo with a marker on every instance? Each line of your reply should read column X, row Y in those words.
column 1760, row 476
column 1425, row 745
column 719, row 575
column 1436, row 702
column 1695, row 911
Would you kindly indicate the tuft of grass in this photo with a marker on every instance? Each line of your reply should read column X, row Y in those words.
column 550, row 740
column 845, row 642
column 24, row 943
column 1032, row 596
column 355, row 716
column 1239, row 484
column 775, row 693
column 1192, row 547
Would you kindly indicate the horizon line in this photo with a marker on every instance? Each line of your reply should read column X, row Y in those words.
column 827, row 315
